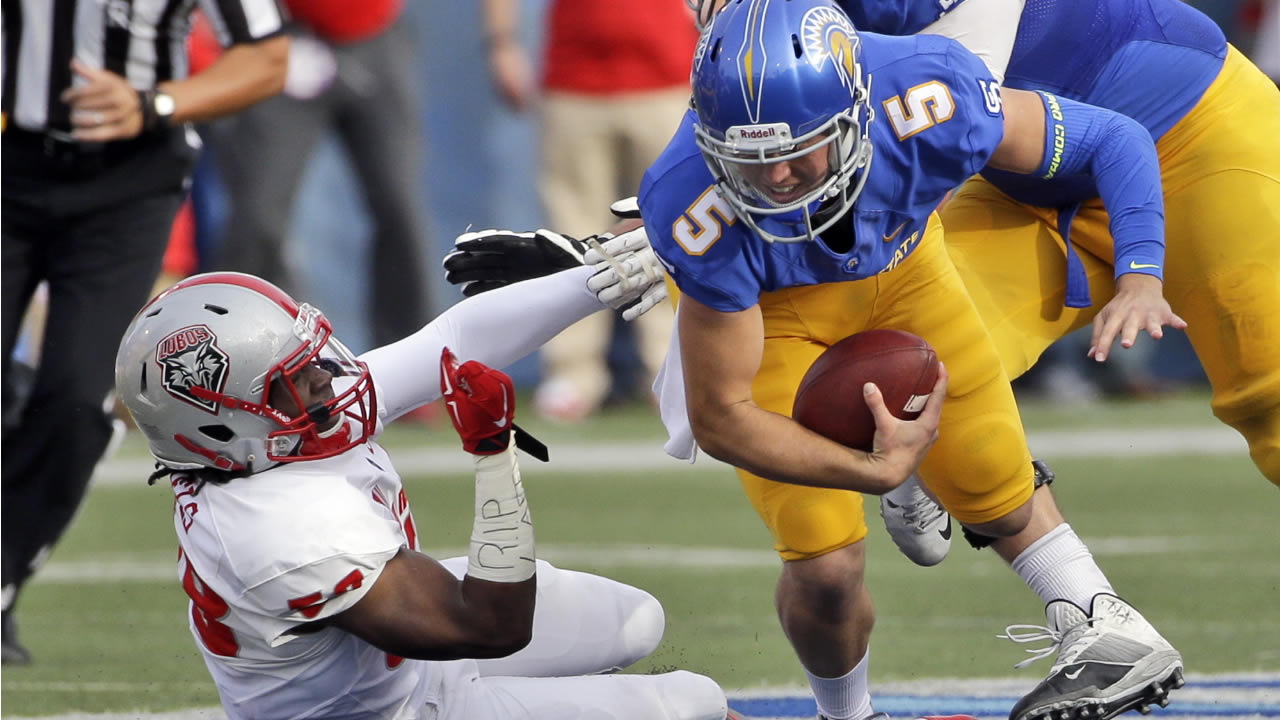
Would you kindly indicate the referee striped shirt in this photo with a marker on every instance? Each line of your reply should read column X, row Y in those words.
column 142, row 40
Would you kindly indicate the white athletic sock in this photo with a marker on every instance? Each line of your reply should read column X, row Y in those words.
column 1058, row 566
column 845, row 697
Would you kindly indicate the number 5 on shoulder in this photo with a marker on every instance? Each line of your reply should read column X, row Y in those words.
column 703, row 223
column 919, row 109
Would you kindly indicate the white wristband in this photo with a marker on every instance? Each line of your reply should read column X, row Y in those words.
column 502, row 534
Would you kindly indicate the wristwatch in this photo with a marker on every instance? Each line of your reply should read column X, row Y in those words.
column 157, row 108
column 162, row 103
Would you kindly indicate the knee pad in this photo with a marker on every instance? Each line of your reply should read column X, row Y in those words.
column 690, row 696
column 642, row 629
column 1267, row 458
column 1262, row 432
column 1044, row 476
column 809, row 522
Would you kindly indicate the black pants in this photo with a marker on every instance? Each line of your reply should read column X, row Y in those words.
column 375, row 107
column 94, row 225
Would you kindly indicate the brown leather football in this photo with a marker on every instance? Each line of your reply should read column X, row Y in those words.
column 829, row 400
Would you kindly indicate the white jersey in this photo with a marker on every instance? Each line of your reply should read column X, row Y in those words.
column 264, row 555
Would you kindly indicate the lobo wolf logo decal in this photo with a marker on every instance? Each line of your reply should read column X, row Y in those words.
column 191, row 358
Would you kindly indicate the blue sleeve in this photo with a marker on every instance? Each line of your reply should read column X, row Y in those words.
column 896, row 17
column 977, row 97
column 1121, row 157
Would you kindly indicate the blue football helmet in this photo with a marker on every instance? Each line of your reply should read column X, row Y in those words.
column 775, row 80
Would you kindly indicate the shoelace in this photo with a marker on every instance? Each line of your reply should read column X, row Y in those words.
column 932, row 511
column 1040, row 633
column 921, row 512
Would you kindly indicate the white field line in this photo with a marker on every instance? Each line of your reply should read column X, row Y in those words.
column 648, row 456
column 114, row 568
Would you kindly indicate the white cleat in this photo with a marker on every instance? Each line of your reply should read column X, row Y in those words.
column 918, row 525
column 1108, row 662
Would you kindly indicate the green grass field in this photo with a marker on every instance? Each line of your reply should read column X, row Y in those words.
column 1189, row 537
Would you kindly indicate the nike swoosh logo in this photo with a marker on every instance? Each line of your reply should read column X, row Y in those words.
column 1074, row 675
column 1134, row 265
column 894, row 234
column 891, row 504
column 946, row 531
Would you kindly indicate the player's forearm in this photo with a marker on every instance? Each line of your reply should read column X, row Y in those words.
column 1121, row 156
column 496, row 328
column 241, row 76
column 777, row 448
column 500, row 584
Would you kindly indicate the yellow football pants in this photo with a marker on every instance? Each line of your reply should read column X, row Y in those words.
column 980, row 467
column 1221, row 172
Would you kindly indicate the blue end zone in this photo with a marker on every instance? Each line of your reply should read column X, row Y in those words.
column 1207, row 698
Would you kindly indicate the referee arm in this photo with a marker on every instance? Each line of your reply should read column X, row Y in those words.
column 240, row 77
column 105, row 106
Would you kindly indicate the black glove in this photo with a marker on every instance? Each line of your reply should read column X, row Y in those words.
column 489, row 259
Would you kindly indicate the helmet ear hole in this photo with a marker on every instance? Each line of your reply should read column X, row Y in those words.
column 796, row 46
column 220, row 433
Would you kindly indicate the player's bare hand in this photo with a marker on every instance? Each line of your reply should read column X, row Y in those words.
column 1138, row 305
column 900, row 445
column 104, row 106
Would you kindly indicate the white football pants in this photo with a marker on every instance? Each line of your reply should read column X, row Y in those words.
column 583, row 625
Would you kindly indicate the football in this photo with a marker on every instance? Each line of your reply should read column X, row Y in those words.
column 829, row 400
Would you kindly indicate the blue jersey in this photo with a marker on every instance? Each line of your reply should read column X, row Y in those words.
column 1151, row 60
column 938, row 119
column 896, row 17
column 1148, row 59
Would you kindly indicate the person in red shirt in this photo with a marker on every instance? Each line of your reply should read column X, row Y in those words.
column 615, row 85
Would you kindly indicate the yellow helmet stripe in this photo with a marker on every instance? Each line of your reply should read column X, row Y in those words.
column 754, row 28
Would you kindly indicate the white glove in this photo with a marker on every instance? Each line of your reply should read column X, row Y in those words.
column 627, row 274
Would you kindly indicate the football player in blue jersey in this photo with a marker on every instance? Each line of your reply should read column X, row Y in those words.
column 1036, row 254
column 791, row 216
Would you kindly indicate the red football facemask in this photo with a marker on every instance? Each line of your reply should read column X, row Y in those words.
column 321, row 394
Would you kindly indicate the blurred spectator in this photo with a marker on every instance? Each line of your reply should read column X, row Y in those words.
column 1266, row 44
column 354, row 71
column 97, row 153
column 615, row 84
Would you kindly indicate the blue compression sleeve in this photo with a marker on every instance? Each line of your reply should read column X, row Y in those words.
column 1120, row 155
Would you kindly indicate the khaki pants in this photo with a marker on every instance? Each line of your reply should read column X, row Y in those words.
column 595, row 149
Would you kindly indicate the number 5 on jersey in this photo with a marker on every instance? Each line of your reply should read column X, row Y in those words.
column 920, row 108
column 703, row 223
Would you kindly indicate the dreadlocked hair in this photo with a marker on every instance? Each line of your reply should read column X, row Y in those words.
column 200, row 475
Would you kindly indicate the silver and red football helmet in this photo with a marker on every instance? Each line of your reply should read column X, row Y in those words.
column 197, row 366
